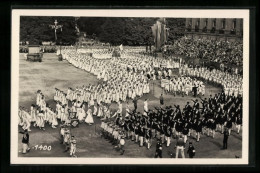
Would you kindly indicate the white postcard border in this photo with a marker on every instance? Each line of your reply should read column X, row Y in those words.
column 176, row 13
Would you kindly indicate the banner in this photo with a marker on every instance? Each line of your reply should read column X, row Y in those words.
column 158, row 35
column 162, row 34
column 154, row 30
column 74, row 123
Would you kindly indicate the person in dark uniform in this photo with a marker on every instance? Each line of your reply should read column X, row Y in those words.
column 238, row 123
column 222, row 122
column 213, row 127
column 154, row 127
column 148, row 122
column 25, row 141
column 117, row 120
column 217, row 121
column 208, row 126
column 196, row 104
column 187, row 108
column 178, row 127
column 191, row 150
column 132, row 128
column 158, row 151
column 148, row 136
column 141, row 135
column 210, row 100
column 163, row 129
column 229, row 125
column 190, row 122
column 195, row 88
column 127, row 128
column 161, row 100
column 137, row 130
column 177, row 111
column 168, row 134
column 225, row 140
column 204, row 103
column 172, row 124
column 197, row 114
column 204, row 124
column 158, row 130
column 135, row 103
column 233, row 119
column 185, row 131
column 198, row 130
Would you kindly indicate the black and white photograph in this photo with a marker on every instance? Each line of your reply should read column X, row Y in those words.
column 130, row 86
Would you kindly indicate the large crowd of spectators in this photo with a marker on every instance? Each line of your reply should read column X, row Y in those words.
column 213, row 50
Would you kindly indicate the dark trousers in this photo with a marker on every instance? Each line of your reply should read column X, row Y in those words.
column 224, row 144
column 67, row 146
column 121, row 149
column 195, row 93
column 61, row 139
column 158, row 154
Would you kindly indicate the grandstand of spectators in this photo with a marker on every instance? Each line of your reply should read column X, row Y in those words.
column 213, row 50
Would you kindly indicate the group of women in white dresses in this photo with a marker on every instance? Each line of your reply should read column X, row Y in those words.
column 117, row 83
column 232, row 84
column 182, row 85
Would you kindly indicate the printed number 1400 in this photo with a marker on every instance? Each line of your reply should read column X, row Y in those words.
column 43, row 147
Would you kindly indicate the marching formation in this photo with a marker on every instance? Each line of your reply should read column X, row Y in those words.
column 202, row 118
column 118, row 82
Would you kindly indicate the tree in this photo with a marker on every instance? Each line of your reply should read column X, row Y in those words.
column 115, row 30
column 37, row 29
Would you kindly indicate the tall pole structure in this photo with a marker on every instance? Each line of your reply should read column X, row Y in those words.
column 56, row 27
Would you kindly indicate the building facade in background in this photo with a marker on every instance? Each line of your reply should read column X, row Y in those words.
column 229, row 29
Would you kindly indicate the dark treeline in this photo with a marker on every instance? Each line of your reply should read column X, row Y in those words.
column 126, row 31
column 37, row 29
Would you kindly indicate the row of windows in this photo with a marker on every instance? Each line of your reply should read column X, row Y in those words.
column 213, row 30
column 223, row 24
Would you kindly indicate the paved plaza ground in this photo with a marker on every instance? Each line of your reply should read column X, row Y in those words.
column 51, row 74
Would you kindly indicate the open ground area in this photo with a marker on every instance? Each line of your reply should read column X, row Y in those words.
column 51, row 73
